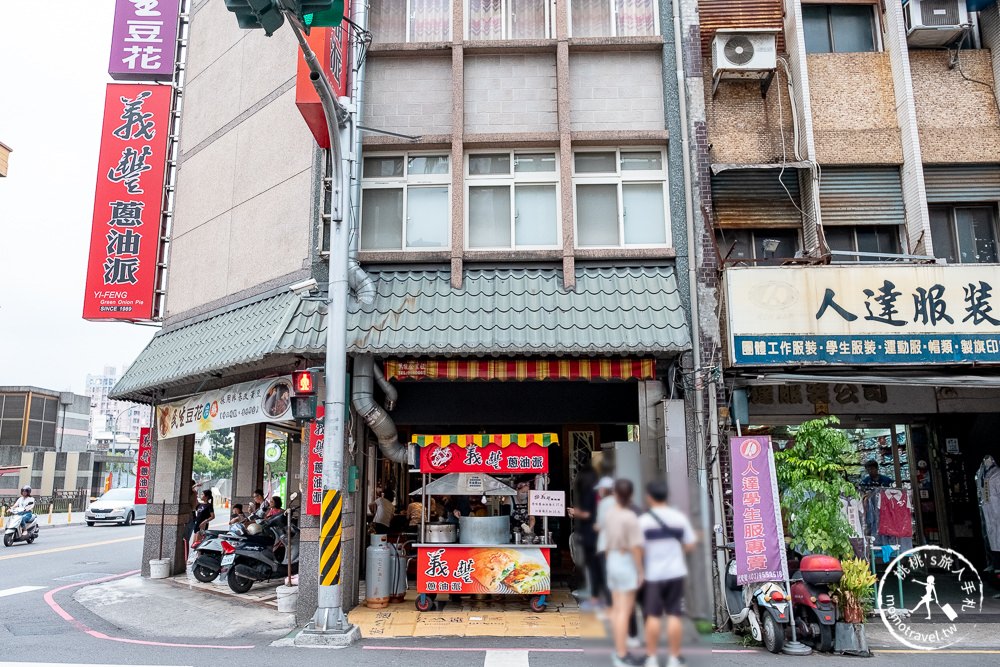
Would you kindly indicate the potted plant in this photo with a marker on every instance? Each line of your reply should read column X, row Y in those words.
column 812, row 475
column 854, row 594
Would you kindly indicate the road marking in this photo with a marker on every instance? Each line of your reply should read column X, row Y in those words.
column 66, row 664
column 74, row 547
column 20, row 589
column 510, row 658
column 969, row 651
column 66, row 616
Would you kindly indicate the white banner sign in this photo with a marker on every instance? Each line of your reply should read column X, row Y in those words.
column 863, row 314
column 240, row 404
column 547, row 503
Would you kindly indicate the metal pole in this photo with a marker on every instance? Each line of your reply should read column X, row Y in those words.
column 329, row 616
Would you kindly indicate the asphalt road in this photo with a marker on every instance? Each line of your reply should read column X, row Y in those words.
column 58, row 631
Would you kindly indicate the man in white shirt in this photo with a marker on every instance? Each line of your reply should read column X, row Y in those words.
column 24, row 506
column 668, row 537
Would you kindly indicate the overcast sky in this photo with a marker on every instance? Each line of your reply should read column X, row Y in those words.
column 53, row 71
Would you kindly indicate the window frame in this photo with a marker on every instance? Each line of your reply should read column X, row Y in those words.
column 405, row 183
column 512, row 180
column 508, row 25
column 757, row 234
column 852, row 259
column 952, row 213
column 619, row 179
column 613, row 34
column 876, row 25
column 408, row 23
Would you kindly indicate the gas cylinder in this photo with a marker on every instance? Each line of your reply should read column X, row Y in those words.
column 379, row 572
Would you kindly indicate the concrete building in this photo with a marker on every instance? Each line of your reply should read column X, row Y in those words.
column 5, row 152
column 112, row 418
column 47, row 432
column 521, row 256
column 864, row 181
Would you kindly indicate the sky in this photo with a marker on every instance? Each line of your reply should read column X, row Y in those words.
column 52, row 80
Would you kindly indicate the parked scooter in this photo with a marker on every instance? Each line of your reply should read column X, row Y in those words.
column 210, row 552
column 263, row 554
column 815, row 611
column 761, row 608
column 15, row 532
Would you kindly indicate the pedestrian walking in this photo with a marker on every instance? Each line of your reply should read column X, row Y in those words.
column 667, row 537
column 624, row 562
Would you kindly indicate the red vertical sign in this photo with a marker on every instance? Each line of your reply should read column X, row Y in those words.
column 125, row 236
column 314, row 494
column 142, row 466
column 333, row 50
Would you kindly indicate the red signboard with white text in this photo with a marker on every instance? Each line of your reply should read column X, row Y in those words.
column 314, row 495
column 125, row 236
column 143, row 464
column 491, row 459
column 506, row 570
column 333, row 50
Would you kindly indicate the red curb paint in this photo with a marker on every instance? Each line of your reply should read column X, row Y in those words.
column 66, row 616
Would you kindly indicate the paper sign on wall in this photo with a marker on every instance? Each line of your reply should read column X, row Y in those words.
column 547, row 503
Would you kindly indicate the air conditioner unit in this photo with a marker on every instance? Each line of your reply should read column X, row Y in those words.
column 743, row 54
column 934, row 23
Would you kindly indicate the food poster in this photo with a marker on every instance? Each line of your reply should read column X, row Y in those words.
column 499, row 570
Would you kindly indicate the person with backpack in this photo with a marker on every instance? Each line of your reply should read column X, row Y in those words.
column 668, row 537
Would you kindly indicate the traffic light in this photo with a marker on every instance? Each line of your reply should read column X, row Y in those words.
column 252, row 14
column 322, row 13
column 303, row 383
column 303, row 408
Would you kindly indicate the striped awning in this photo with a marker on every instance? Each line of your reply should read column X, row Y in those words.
column 486, row 439
column 521, row 369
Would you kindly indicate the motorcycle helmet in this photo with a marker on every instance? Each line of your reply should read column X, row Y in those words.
column 254, row 529
column 26, row 488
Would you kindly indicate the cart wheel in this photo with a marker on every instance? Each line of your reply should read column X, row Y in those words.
column 538, row 603
column 424, row 602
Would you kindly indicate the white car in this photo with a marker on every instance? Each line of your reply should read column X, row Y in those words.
column 117, row 506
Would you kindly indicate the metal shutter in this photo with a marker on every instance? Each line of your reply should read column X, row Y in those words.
column 861, row 196
column 755, row 198
column 960, row 183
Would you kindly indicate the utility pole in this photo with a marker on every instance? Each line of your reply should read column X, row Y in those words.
column 329, row 625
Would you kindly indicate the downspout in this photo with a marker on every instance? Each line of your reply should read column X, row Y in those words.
column 391, row 395
column 360, row 283
column 699, row 392
column 378, row 420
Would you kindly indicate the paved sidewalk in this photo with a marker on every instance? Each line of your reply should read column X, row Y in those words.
column 152, row 608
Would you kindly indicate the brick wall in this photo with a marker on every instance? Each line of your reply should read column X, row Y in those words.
column 511, row 93
column 616, row 91
column 410, row 95
column 742, row 125
column 854, row 108
column 952, row 111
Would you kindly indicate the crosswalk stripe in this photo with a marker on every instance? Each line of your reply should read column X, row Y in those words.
column 512, row 658
column 19, row 589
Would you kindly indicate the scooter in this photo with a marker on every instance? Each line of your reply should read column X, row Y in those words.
column 210, row 552
column 263, row 554
column 815, row 610
column 761, row 608
column 15, row 532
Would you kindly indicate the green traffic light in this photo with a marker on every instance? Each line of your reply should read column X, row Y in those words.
column 327, row 18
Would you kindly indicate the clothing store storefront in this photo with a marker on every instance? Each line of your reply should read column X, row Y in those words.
column 903, row 356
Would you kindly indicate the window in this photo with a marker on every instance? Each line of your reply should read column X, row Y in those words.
column 839, row 28
column 964, row 234
column 871, row 239
column 396, row 21
column 614, row 18
column 513, row 200
column 509, row 19
column 405, row 202
column 620, row 198
column 759, row 246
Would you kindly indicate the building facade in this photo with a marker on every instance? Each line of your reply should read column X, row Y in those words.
column 853, row 185
column 110, row 419
column 519, row 247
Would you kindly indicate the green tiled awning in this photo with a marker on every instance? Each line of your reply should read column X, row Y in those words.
column 612, row 311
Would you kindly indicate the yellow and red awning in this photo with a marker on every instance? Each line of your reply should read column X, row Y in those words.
column 521, row 369
column 486, row 439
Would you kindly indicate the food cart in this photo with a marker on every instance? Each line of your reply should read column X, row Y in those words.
column 481, row 555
